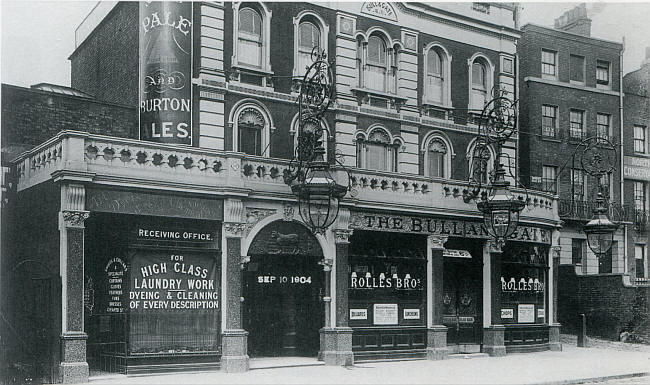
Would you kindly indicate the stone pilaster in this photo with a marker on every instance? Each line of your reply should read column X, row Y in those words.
column 234, row 339
column 554, row 337
column 73, row 367
column 436, row 332
column 336, row 342
column 494, row 335
column 493, row 340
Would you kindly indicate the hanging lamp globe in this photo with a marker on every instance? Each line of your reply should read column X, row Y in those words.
column 500, row 209
column 600, row 230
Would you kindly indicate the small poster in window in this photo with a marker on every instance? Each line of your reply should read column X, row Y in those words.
column 411, row 313
column 507, row 313
column 525, row 313
column 358, row 314
column 385, row 314
column 541, row 313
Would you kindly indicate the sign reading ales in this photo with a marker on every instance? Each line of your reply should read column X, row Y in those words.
column 166, row 71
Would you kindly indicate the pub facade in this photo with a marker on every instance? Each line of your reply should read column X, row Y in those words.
column 180, row 247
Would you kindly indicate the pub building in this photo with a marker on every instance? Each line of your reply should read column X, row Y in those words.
column 180, row 247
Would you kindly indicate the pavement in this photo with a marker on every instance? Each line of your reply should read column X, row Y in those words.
column 610, row 363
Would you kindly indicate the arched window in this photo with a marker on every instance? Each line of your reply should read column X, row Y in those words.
column 377, row 151
column 480, row 162
column 377, row 63
column 309, row 37
column 435, row 77
column 479, row 85
column 436, row 158
column 249, row 37
column 251, row 131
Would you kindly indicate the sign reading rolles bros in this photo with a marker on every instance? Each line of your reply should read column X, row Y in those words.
column 166, row 71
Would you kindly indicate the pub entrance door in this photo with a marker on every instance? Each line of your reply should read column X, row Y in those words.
column 283, row 311
column 462, row 299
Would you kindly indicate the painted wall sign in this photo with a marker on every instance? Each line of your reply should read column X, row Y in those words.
column 523, row 284
column 411, row 314
column 525, row 313
column 435, row 226
column 270, row 279
column 154, row 233
column 356, row 314
column 507, row 313
column 385, row 314
column 115, row 270
column 163, row 281
column 636, row 168
column 380, row 9
column 166, row 71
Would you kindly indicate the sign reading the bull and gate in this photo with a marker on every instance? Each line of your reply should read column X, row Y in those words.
column 166, row 71
column 436, row 226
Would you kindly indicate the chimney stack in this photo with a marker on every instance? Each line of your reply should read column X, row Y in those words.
column 575, row 21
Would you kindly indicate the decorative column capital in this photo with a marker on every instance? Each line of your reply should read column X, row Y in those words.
column 495, row 246
column 289, row 212
column 555, row 251
column 74, row 218
column 437, row 242
column 233, row 229
column 327, row 264
column 342, row 235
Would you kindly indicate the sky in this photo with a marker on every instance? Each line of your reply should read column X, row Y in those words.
column 37, row 37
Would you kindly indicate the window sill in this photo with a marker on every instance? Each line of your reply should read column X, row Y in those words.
column 430, row 104
column 551, row 139
column 252, row 69
column 363, row 97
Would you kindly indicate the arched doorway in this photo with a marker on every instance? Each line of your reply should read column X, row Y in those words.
column 283, row 290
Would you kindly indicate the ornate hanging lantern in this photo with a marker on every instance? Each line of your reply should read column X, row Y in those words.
column 310, row 175
column 600, row 230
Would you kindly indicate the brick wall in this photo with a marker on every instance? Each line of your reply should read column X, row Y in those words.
column 610, row 306
column 31, row 116
column 105, row 65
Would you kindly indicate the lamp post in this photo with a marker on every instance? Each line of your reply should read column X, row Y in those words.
column 500, row 209
column 310, row 174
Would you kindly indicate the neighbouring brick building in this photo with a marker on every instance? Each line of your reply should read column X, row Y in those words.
column 571, row 90
column 136, row 233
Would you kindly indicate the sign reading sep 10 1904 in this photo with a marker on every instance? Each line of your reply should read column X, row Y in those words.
column 297, row 279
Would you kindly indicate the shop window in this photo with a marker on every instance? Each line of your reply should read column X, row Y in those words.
column 377, row 150
column 549, row 64
column 524, row 273
column 577, row 250
column 438, row 87
column 549, row 121
column 640, row 259
column 640, row 139
column 602, row 74
column 577, row 124
column 577, row 69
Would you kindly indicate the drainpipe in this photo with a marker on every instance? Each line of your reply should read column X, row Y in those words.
column 622, row 180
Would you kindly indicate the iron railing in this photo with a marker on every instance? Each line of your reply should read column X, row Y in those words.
column 584, row 210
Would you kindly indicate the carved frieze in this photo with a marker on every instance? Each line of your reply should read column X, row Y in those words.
column 75, row 218
column 342, row 236
column 254, row 215
column 234, row 230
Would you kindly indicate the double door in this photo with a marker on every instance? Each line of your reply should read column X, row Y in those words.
column 462, row 300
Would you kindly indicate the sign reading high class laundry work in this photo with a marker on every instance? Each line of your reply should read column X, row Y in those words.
column 166, row 71
column 435, row 226
column 165, row 281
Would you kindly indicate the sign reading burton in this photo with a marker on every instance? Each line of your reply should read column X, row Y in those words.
column 438, row 226
column 166, row 71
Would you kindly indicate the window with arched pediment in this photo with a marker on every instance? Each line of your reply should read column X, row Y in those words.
column 437, row 152
column 377, row 150
column 251, row 126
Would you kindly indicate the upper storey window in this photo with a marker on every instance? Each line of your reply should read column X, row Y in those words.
column 437, row 88
column 377, row 64
column 377, row 150
column 308, row 39
column 249, row 39
column 549, row 64
column 602, row 74
column 481, row 80
column 310, row 36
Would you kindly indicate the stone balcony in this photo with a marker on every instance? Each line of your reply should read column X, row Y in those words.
column 110, row 161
